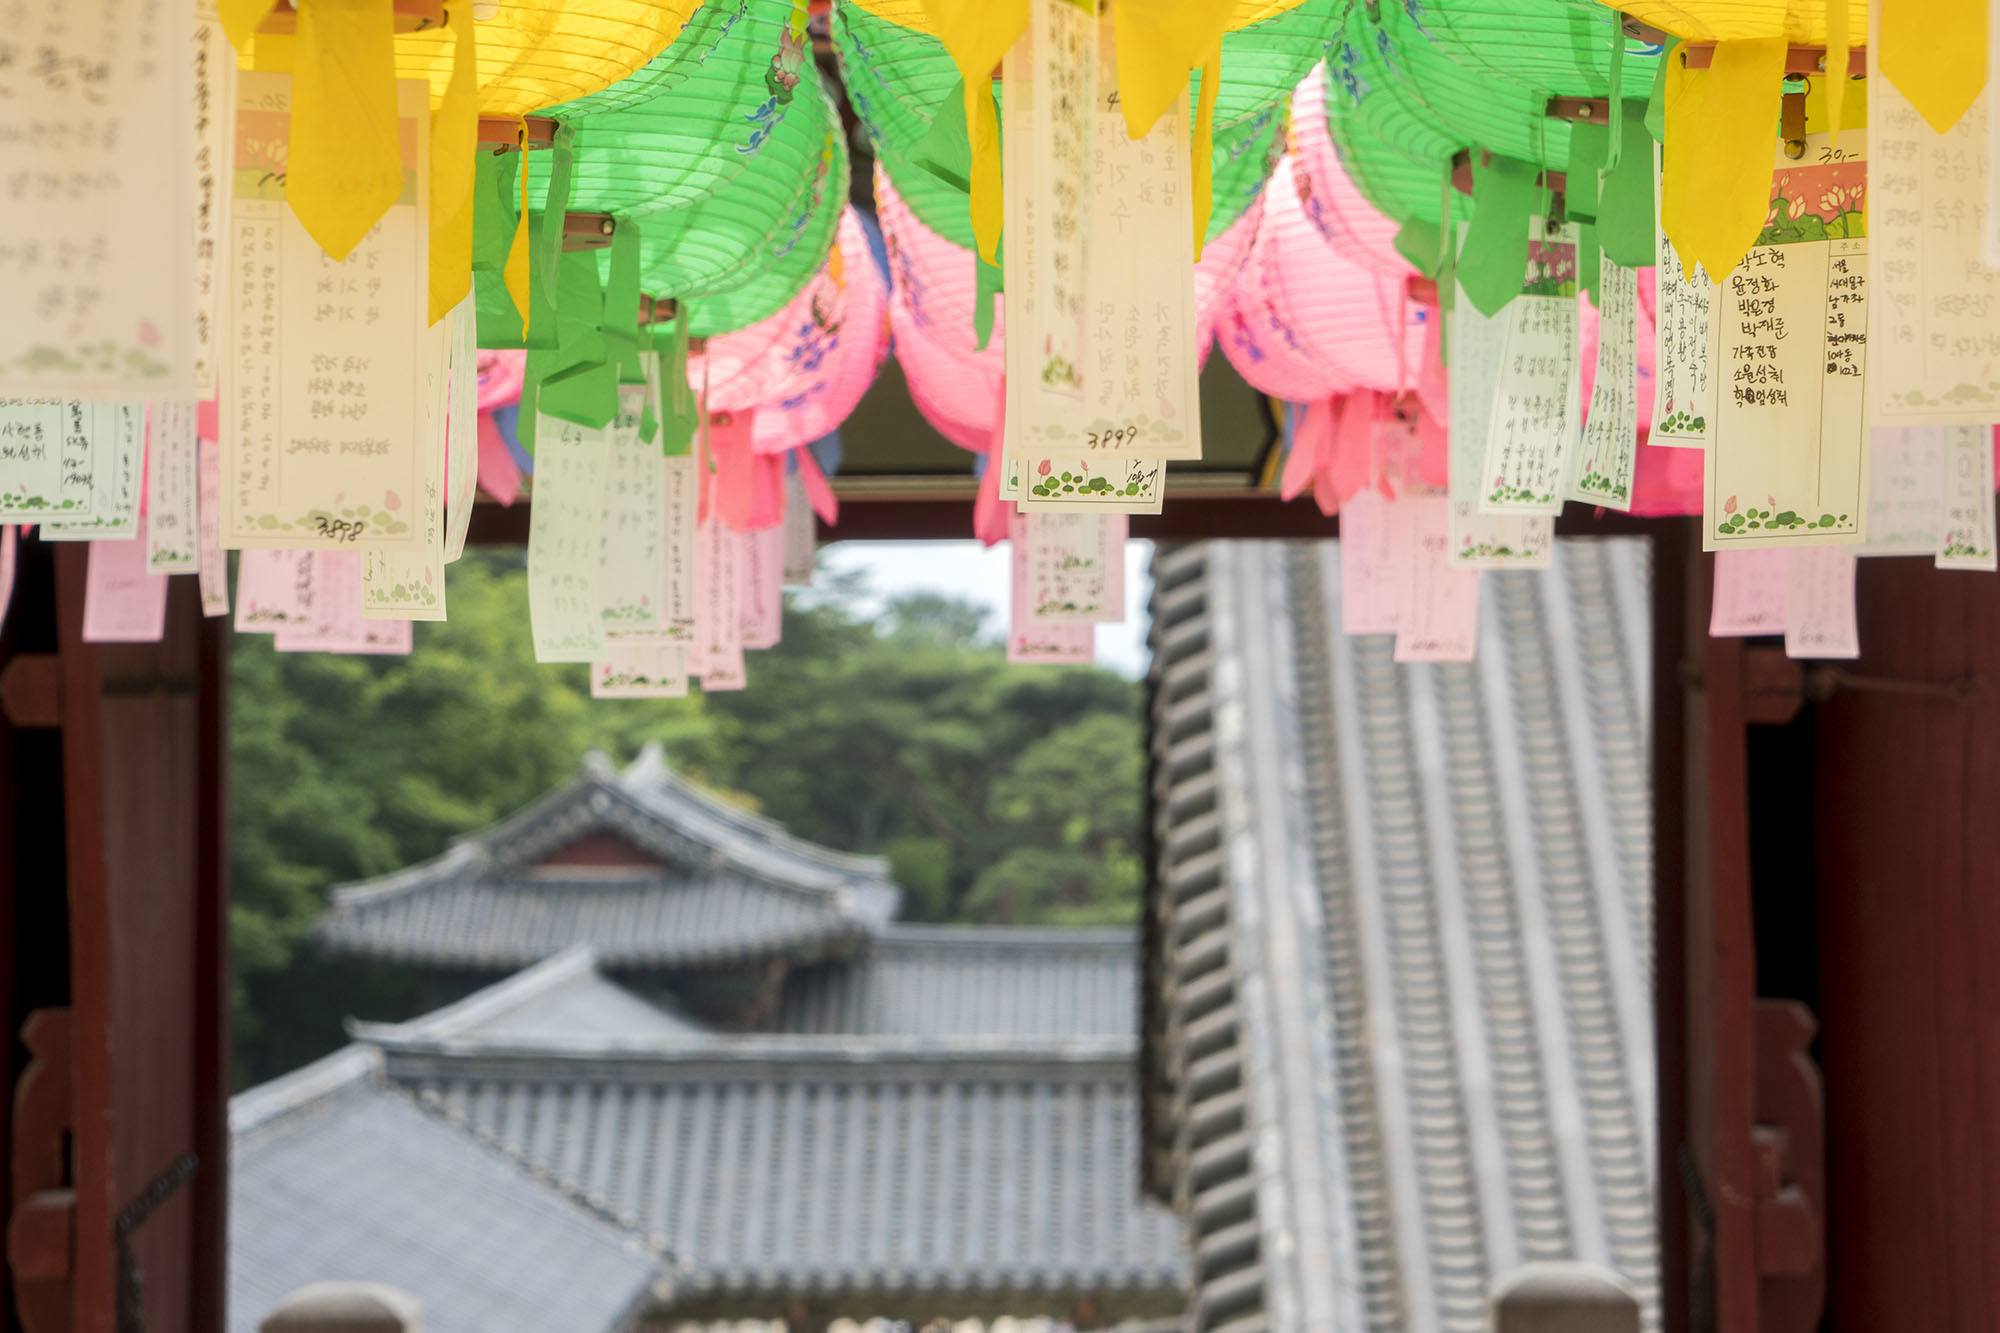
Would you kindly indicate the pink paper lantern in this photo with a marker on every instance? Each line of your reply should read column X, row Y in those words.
column 1331, row 201
column 803, row 369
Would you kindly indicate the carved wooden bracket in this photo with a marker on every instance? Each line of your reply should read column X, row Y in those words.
column 1790, row 1143
column 41, row 1224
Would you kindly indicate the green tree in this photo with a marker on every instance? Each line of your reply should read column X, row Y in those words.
column 998, row 792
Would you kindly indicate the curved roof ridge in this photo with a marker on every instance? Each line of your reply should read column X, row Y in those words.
column 483, row 1005
column 421, row 875
column 752, row 1055
column 649, row 779
column 263, row 1106
column 961, row 935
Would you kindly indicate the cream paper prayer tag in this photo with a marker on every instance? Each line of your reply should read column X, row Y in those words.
column 760, row 587
column 717, row 659
column 408, row 584
column 634, row 507
column 1076, row 567
column 1749, row 595
column 565, row 548
column 322, row 411
column 1480, row 540
column 1789, row 341
column 1683, row 387
column 1905, row 490
column 52, row 451
column 1534, row 398
column 96, row 254
column 640, row 671
column 1967, row 520
column 118, row 444
column 173, row 537
column 1819, row 603
column 213, row 571
column 1030, row 639
column 801, row 534
column 1934, row 306
column 1370, row 552
column 1438, row 619
column 461, row 428
column 123, row 601
column 213, row 64
column 1102, row 362
column 1603, row 461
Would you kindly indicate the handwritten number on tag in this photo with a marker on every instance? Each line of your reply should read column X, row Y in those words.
column 339, row 529
column 1113, row 439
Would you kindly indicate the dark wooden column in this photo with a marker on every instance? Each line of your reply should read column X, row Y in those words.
column 122, row 747
column 1907, row 784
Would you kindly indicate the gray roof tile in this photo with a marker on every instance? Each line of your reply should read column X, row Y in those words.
column 727, row 887
column 1468, row 845
column 336, row 1175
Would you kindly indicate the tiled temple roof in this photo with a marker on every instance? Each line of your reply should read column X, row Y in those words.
column 694, row 884
column 1397, row 956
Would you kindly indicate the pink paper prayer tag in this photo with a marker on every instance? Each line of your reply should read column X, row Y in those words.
column 123, row 602
column 1439, row 619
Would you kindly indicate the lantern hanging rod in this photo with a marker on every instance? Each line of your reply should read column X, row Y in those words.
column 588, row 231
column 411, row 16
column 1461, row 173
column 503, row 133
column 1798, row 59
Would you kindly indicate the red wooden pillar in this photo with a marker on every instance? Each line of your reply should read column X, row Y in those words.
column 1907, row 784
column 119, row 1137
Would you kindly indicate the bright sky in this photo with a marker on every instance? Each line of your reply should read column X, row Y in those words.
column 980, row 575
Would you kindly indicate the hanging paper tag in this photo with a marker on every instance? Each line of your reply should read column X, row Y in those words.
column 1683, row 389
column 1101, row 483
column 461, row 427
column 409, row 584
column 123, row 601
column 116, row 438
column 1534, row 401
column 1934, row 307
column 1104, row 360
column 1076, row 567
column 52, row 452
column 1819, row 603
column 96, row 266
column 640, row 671
column 1370, row 552
column 321, row 410
column 1604, row 461
column 1789, row 342
column 717, row 659
column 634, row 505
column 1439, row 616
column 760, row 586
column 680, row 587
column 214, row 101
column 801, row 533
column 339, row 624
column 1905, row 490
column 214, row 568
column 565, row 548
column 1480, row 540
column 173, row 541
column 1030, row 639
column 274, row 590
column 9, row 540
column 1749, row 593
column 1967, row 542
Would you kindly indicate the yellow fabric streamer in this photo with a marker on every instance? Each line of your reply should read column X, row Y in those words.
column 241, row 19
column 976, row 34
column 1202, row 143
column 1159, row 41
column 1721, row 139
column 1934, row 51
column 454, row 141
column 345, row 165
column 515, row 273
column 1837, row 45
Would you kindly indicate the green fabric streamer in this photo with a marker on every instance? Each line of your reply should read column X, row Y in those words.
column 548, row 247
column 1419, row 242
column 1617, row 117
column 943, row 150
column 1656, row 105
column 577, row 379
column 1494, row 258
column 1588, row 272
column 493, row 218
column 1587, row 147
column 680, row 414
column 621, row 303
column 1625, row 201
